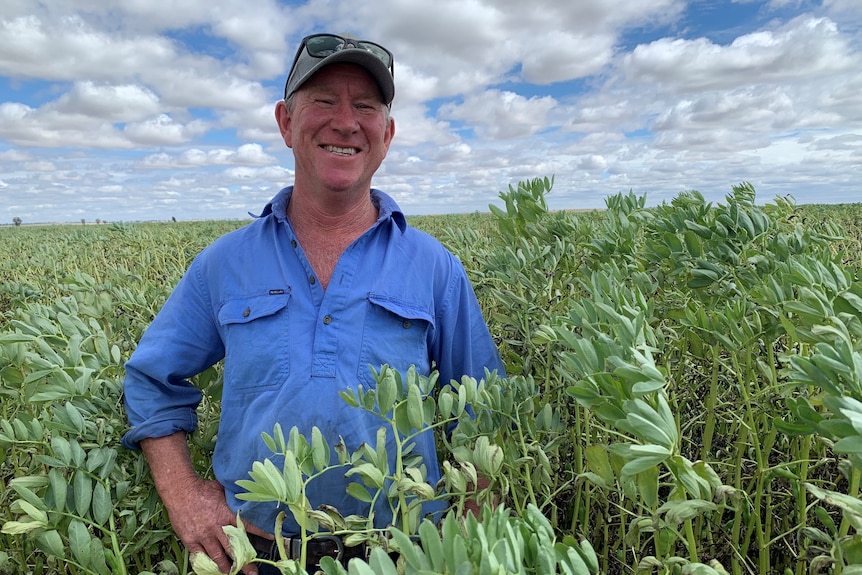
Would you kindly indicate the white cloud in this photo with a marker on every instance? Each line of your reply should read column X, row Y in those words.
column 43, row 166
column 163, row 130
column 46, row 127
column 73, row 49
column 245, row 155
column 113, row 103
column 502, row 115
column 14, row 155
column 801, row 51
column 152, row 105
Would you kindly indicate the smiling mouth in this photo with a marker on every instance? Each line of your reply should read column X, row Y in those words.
column 341, row 151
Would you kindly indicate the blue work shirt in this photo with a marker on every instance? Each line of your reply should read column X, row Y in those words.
column 396, row 297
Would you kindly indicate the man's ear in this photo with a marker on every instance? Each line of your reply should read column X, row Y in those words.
column 283, row 119
column 390, row 133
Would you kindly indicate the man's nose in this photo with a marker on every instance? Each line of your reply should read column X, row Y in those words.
column 344, row 117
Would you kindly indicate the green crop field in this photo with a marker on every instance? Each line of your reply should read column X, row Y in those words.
column 684, row 395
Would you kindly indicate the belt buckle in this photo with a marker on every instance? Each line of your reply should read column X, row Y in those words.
column 296, row 546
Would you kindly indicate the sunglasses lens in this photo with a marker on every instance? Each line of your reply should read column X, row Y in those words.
column 378, row 51
column 323, row 45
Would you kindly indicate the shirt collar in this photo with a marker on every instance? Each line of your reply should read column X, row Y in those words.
column 387, row 207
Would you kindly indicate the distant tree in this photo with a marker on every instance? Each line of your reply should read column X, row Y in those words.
column 83, row 221
column 174, row 219
column 16, row 220
column 98, row 221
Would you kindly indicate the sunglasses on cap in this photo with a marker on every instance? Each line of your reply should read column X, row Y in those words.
column 318, row 50
column 323, row 45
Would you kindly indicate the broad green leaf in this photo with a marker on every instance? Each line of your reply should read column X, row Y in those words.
column 387, row 392
column 851, row 506
column 61, row 448
column 290, row 478
column 322, row 518
column 16, row 338
column 487, row 457
column 647, row 482
column 380, row 563
column 588, row 554
column 381, row 455
column 203, row 565
column 445, row 401
column 320, row 452
column 33, row 512
column 21, row 527
column 415, row 411
column 19, row 484
column 51, row 543
column 59, row 488
column 456, row 480
column 335, row 518
column 576, row 563
column 433, row 546
column 82, row 491
column 269, row 442
column 369, row 473
column 102, row 505
column 241, row 549
column 79, row 542
column 415, row 557
column 98, row 562
column 851, row 444
column 358, row 492
column 648, row 430
column 852, row 549
column 641, row 463
column 647, row 387
column 676, row 511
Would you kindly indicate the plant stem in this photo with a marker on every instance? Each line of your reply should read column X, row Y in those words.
column 852, row 491
column 709, row 426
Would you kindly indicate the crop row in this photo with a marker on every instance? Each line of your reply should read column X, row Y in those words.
column 685, row 379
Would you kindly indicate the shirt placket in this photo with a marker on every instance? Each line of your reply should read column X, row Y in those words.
column 330, row 317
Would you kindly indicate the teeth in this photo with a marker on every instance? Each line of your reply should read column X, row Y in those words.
column 341, row 151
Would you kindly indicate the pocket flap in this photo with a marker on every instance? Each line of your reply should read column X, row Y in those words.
column 244, row 310
column 403, row 309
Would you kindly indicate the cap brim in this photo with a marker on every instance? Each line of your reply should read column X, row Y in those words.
column 306, row 66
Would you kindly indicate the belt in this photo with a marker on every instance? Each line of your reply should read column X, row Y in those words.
column 317, row 548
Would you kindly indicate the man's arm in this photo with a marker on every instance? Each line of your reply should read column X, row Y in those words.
column 197, row 507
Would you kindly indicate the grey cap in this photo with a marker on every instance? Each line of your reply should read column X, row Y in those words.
column 305, row 66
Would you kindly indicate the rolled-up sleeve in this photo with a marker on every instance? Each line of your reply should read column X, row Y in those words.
column 182, row 341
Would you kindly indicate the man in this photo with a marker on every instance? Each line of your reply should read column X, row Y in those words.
column 328, row 281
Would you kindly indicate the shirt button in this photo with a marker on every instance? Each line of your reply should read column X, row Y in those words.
column 406, row 324
column 293, row 243
column 311, row 280
column 246, row 312
column 327, row 319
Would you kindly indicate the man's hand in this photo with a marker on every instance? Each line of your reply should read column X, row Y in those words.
column 198, row 511
column 196, row 507
column 471, row 505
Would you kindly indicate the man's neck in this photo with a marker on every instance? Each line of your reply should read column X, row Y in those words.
column 325, row 231
column 336, row 214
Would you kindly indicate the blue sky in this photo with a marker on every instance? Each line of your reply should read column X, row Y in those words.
column 158, row 109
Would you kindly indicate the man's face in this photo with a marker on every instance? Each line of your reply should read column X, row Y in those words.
column 338, row 128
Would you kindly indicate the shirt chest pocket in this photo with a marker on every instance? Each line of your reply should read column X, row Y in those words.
column 255, row 334
column 395, row 333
